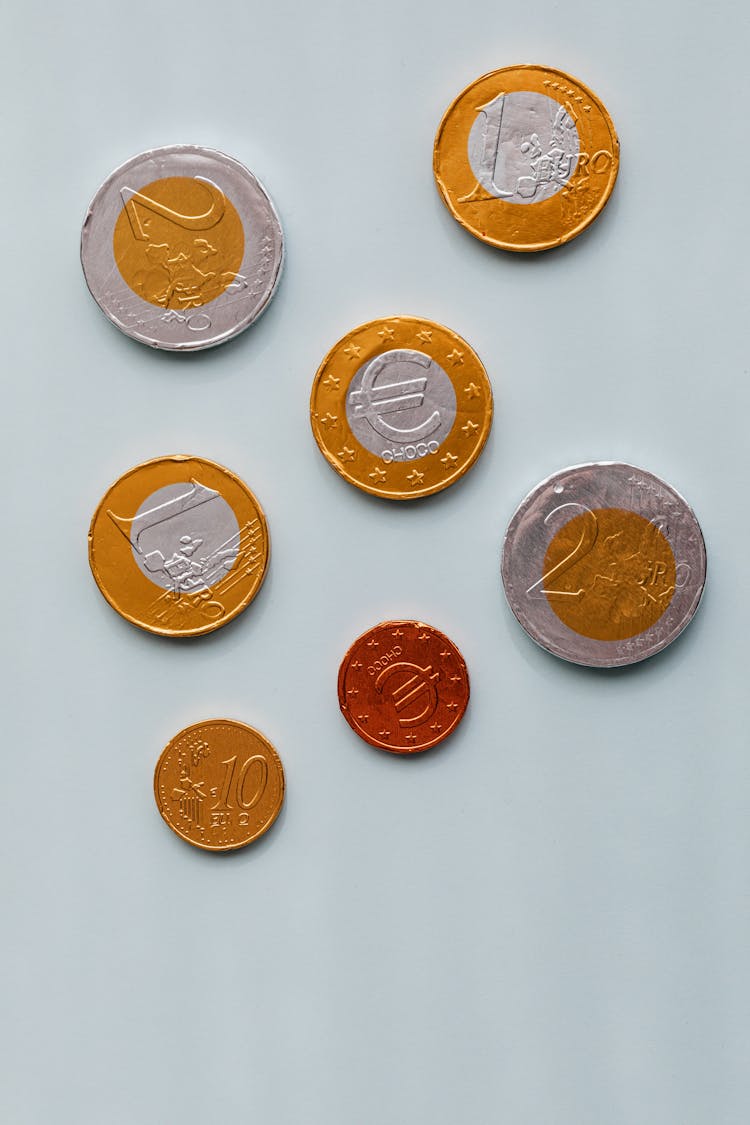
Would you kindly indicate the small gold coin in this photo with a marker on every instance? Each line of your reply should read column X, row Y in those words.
column 219, row 785
column 179, row 546
column 526, row 157
column 401, row 407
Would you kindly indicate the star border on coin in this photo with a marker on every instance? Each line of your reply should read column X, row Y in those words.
column 404, row 480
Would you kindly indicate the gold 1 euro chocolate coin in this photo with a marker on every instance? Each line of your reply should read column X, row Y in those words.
column 403, row 686
column 182, row 247
column 401, row 407
column 604, row 564
column 219, row 785
column 526, row 157
column 179, row 546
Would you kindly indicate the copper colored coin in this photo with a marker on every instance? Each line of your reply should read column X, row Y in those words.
column 219, row 785
column 403, row 686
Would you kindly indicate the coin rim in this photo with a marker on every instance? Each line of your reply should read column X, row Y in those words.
column 202, row 726
column 603, row 662
column 371, row 458
column 406, row 752
column 210, row 627
column 242, row 325
column 539, row 246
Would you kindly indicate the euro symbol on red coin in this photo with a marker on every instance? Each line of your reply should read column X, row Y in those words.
column 421, row 682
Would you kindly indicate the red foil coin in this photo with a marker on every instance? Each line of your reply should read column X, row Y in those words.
column 403, row 686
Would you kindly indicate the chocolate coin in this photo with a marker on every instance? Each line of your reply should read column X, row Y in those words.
column 182, row 247
column 526, row 157
column 179, row 546
column 403, row 686
column 219, row 785
column 604, row 564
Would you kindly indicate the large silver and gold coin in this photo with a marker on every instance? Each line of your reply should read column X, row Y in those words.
column 401, row 407
column 179, row 546
column 219, row 785
column 182, row 247
column 604, row 564
column 526, row 157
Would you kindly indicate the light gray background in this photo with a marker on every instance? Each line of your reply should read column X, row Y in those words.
column 545, row 921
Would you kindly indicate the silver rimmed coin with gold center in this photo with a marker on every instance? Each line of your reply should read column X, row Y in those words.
column 526, row 157
column 182, row 247
column 401, row 407
column 604, row 564
column 179, row 546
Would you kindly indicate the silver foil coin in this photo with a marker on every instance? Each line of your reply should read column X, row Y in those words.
column 604, row 564
column 182, row 248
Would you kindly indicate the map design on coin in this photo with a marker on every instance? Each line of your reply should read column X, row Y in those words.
column 401, row 407
column 609, row 573
column 173, row 250
column 184, row 538
column 523, row 147
column 179, row 558
column 182, row 247
column 219, row 784
column 525, row 158
column 403, row 686
column 604, row 564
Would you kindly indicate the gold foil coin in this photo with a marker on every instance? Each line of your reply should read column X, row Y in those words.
column 526, row 157
column 219, row 785
column 401, row 407
column 179, row 546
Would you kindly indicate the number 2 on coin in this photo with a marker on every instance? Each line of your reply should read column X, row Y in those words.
column 589, row 532
column 132, row 200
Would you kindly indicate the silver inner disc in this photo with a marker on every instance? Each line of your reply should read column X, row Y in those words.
column 523, row 147
column 184, row 537
column 401, row 405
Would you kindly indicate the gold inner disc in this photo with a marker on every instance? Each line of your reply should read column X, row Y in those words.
column 178, row 242
column 609, row 574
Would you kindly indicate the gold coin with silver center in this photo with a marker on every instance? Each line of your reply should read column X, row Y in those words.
column 179, row 546
column 401, row 407
column 526, row 157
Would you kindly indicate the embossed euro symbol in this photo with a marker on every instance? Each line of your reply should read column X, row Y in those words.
column 371, row 402
column 134, row 201
column 133, row 528
column 418, row 689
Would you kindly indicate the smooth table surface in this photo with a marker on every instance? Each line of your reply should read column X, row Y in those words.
column 546, row 920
